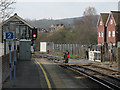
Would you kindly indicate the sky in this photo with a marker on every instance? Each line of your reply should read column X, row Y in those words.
column 59, row 9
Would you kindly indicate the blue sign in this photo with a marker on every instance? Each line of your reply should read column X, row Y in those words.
column 9, row 35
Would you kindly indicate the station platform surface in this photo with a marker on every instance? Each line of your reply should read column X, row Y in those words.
column 41, row 73
column 27, row 76
column 59, row 77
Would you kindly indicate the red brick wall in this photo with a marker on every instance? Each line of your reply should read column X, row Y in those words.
column 100, row 29
column 110, row 27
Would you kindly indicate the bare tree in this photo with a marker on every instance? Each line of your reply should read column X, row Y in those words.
column 6, row 9
column 90, row 16
column 89, row 11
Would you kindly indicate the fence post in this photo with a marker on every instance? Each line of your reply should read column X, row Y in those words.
column 79, row 50
column 72, row 49
column 118, row 55
column 76, row 49
column 63, row 47
column 60, row 47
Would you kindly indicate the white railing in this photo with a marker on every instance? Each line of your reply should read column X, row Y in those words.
column 95, row 55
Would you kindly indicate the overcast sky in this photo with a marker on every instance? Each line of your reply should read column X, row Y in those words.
column 58, row 9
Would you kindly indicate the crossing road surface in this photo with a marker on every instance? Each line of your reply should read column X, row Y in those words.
column 41, row 73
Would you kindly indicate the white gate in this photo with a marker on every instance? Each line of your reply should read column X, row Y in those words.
column 95, row 56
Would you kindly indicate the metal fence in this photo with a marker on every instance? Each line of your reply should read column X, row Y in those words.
column 107, row 53
column 74, row 49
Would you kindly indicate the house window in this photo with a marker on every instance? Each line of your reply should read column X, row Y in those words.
column 100, row 22
column 113, row 33
column 109, row 34
column 102, row 34
column 99, row 34
column 111, row 21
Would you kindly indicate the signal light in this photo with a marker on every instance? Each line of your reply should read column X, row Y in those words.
column 34, row 33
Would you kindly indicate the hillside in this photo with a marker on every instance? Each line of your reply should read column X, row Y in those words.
column 83, row 31
column 46, row 23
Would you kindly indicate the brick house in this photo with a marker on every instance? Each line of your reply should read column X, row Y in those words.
column 101, row 25
column 113, row 28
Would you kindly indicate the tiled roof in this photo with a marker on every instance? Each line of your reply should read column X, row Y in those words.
column 19, row 18
column 104, row 17
column 116, row 15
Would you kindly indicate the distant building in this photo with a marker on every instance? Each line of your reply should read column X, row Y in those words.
column 54, row 27
column 109, row 28
column 113, row 28
column 102, row 29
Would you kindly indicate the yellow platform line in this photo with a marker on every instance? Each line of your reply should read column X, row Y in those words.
column 46, row 77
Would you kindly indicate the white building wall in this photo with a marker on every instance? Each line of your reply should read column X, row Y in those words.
column 7, row 47
column 1, row 49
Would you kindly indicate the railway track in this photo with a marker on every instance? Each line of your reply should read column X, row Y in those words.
column 103, row 79
column 106, row 77
column 109, row 72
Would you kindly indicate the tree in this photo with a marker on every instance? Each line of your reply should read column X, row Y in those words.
column 89, row 11
column 90, row 16
column 6, row 8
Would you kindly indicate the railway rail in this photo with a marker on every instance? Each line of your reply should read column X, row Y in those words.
column 103, row 79
column 105, row 71
column 106, row 77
